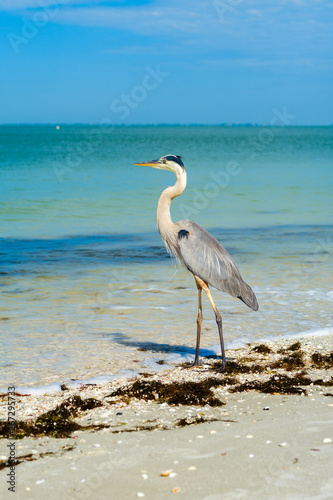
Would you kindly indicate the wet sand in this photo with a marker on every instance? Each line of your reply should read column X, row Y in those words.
column 245, row 444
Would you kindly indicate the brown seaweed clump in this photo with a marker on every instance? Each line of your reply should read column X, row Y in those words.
column 56, row 423
column 322, row 360
column 290, row 362
column 262, row 349
column 179, row 393
column 236, row 368
column 277, row 384
column 295, row 347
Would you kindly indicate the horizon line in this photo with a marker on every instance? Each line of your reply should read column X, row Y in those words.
column 119, row 125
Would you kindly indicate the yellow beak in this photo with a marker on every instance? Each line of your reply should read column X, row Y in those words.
column 153, row 163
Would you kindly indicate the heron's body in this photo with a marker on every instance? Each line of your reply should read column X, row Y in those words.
column 200, row 252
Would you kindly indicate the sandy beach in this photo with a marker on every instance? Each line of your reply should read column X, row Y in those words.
column 166, row 184
column 261, row 430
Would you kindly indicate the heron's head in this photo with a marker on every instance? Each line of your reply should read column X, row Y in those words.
column 168, row 162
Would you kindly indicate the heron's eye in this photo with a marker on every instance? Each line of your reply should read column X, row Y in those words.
column 164, row 161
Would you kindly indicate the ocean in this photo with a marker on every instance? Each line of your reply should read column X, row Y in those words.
column 88, row 289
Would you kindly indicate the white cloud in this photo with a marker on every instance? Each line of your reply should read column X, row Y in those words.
column 252, row 25
column 145, row 20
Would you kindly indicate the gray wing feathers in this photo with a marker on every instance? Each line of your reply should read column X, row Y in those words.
column 205, row 257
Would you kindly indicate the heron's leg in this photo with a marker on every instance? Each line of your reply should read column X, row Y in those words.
column 199, row 322
column 218, row 318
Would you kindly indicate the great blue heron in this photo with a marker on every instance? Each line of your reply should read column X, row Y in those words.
column 200, row 252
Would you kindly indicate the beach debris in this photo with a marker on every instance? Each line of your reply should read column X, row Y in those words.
column 40, row 481
column 327, row 440
column 295, row 346
column 176, row 490
column 262, row 349
column 140, row 494
column 192, row 467
column 291, row 362
column 283, row 444
column 144, row 476
column 277, row 384
column 322, row 360
column 236, row 368
column 57, row 422
column 166, row 473
column 178, row 393
column 249, row 436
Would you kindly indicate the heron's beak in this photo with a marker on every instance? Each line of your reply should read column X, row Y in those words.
column 152, row 163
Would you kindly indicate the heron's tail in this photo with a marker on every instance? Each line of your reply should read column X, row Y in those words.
column 248, row 297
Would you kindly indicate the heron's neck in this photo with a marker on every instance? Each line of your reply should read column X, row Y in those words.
column 163, row 216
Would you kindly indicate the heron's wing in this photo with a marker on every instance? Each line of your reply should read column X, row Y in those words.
column 205, row 257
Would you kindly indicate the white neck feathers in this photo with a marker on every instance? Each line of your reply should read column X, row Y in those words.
column 163, row 216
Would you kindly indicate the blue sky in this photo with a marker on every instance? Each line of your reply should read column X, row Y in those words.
column 190, row 61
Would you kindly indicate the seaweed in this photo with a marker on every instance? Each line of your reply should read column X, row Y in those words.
column 321, row 382
column 184, row 422
column 56, row 423
column 235, row 368
column 322, row 360
column 291, row 362
column 17, row 461
column 31, row 456
column 179, row 393
column 262, row 349
column 295, row 347
column 277, row 384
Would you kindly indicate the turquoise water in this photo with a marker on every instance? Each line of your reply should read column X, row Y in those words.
column 85, row 280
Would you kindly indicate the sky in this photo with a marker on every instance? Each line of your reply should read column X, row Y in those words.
column 166, row 61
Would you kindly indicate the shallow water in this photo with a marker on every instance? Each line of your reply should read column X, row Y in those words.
column 85, row 280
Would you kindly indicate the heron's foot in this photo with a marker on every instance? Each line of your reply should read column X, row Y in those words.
column 192, row 365
column 220, row 370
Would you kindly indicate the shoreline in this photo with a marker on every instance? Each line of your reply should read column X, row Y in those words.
column 262, row 429
column 147, row 361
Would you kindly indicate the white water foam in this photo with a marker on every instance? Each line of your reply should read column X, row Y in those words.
column 39, row 391
column 74, row 384
column 102, row 379
column 153, row 365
